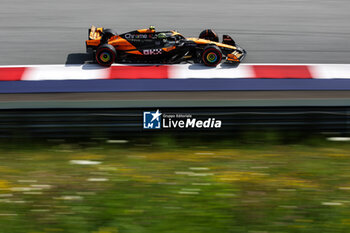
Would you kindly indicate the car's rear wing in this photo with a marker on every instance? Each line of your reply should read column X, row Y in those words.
column 95, row 33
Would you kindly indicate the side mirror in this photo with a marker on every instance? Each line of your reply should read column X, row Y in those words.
column 228, row 40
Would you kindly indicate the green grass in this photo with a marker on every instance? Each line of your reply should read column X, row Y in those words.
column 167, row 187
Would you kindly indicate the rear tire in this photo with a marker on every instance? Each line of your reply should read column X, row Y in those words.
column 211, row 56
column 105, row 55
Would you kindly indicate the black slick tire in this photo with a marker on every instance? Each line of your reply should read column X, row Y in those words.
column 211, row 55
column 105, row 55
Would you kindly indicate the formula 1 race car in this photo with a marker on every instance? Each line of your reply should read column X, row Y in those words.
column 170, row 47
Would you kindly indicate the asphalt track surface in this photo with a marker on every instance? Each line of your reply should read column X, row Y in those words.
column 272, row 31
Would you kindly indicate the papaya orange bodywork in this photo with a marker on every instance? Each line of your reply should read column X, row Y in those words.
column 146, row 31
column 93, row 42
column 134, row 52
column 203, row 41
column 169, row 48
column 232, row 57
column 121, row 44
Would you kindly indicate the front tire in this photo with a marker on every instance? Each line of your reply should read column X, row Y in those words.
column 105, row 55
column 211, row 56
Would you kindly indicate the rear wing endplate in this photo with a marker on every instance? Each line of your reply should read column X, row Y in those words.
column 95, row 33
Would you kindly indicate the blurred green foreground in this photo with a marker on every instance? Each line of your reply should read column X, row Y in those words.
column 127, row 187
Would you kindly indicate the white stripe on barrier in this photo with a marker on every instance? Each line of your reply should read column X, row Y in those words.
column 330, row 71
column 200, row 71
column 62, row 72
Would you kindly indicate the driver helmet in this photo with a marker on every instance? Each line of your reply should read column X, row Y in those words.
column 161, row 36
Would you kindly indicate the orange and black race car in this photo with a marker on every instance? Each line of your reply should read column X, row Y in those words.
column 170, row 47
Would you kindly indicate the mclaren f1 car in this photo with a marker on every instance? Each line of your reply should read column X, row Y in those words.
column 169, row 47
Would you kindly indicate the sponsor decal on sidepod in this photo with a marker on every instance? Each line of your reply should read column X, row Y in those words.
column 152, row 51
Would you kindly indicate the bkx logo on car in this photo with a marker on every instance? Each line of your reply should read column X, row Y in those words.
column 152, row 51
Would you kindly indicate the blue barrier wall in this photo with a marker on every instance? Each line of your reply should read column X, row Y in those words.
column 123, row 85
